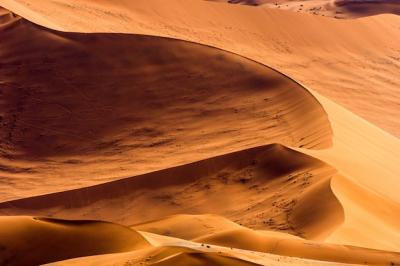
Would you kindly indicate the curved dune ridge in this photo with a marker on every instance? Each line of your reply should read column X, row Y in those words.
column 353, row 62
column 194, row 155
column 115, row 105
column 272, row 186
column 33, row 241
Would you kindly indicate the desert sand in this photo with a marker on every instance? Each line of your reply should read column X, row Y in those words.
column 199, row 133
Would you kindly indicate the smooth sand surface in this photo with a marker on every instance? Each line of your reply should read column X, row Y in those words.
column 215, row 158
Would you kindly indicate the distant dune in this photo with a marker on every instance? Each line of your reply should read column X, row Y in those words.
column 330, row 8
column 358, row 8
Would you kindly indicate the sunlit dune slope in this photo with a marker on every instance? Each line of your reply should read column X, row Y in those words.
column 181, row 256
column 271, row 187
column 33, row 241
column 215, row 230
column 367, row 215
column 187, row 226
column 282, row 245
column 82, row 109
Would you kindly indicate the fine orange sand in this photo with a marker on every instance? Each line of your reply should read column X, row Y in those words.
column 173, row 123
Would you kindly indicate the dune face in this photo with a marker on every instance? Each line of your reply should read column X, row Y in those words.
column 134, row 105
column 43, row 240
column 268, row 183
column 262, row 242
column 352, row 62
column 155, row 132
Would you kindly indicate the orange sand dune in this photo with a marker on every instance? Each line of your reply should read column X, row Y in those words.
column 32, row 241
column 162, row 256
column 102, row 103
column 273, row 187
column 283, row 245
column 353, row 62
column 105, row 106
column 175, row 251
column 188, row 253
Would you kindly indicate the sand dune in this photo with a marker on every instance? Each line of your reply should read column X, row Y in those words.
column 161, row 256
column 283, row 245
column 219, row 231
column 33, row 241
column 274, row 188
column 195, row 255
column 353, row 62
column 148, row 80
column 175, row 251
column 214, row 157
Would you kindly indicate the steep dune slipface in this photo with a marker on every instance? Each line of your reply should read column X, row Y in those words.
column 367, row 215
column 271, row 187
column 92, row 108
column 33, row 241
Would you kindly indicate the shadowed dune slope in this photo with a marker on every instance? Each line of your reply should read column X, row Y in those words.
column 33, row 241
column 353, row 62
column 272, row 187
column 90, row 108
